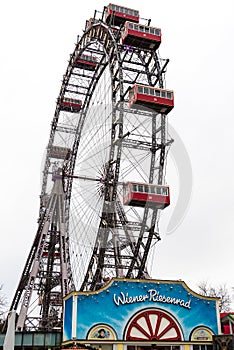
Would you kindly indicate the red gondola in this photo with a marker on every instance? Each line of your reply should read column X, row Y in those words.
column 60, row 152
column 70, row 105
column 137, row 35
column 117, row 15
column 138, row 194
column 160, row 100
column 87, row 62
column 56, row 255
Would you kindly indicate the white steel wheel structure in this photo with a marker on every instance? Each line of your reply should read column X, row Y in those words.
column 86, row 235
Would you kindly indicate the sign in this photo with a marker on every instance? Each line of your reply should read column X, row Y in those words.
column 140, row 310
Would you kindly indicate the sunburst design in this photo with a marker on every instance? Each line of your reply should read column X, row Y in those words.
column 153, row 324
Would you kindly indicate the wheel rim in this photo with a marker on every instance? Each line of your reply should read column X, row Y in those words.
column 153, row 325
column 87, row 197
column 111, row 144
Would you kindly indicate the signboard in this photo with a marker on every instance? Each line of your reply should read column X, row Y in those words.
column 140, row 310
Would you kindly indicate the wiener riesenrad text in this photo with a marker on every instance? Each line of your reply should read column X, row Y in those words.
column 152, row 295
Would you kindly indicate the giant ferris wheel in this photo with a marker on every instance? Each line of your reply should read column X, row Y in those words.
column 104, row 172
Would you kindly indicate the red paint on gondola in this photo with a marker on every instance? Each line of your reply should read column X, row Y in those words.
column 82, row 62
column 118, row 14
column 60, row 152
column 56, row 255
column 141, row 36
column 160, row 100
column 86, row 62
column 70, row 105
column 140, row 194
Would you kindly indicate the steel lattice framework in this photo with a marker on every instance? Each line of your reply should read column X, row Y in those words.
column 85, row 234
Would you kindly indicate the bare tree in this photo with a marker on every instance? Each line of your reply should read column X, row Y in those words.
column 220, row 292
column 3, row 306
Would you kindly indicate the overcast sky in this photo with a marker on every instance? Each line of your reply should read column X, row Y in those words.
column 197, row 36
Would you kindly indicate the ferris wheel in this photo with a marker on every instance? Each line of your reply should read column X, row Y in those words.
column 103, row 179
column 122, row 139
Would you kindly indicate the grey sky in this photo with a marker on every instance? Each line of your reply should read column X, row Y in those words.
column 36, row 41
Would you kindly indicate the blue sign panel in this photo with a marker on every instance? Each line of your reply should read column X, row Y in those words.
column 139, row 310
column 67, row 322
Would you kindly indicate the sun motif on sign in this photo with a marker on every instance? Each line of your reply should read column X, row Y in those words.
column 153, row 324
